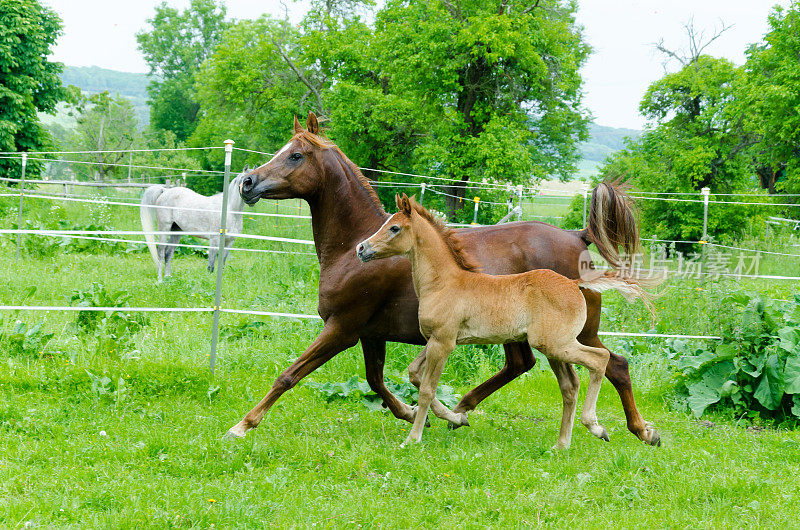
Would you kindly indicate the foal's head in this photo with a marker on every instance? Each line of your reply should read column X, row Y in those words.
column 297, row 170
column 397, row 235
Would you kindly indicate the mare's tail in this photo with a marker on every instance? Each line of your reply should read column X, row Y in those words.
column 147, row 213
column 612, row 223
column 630, row 288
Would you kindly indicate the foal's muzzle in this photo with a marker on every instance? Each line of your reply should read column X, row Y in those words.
column 364, row 251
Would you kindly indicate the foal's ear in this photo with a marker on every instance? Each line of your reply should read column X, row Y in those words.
column 297, row 127
column 398, row 201
column 405, row 205
column 312, row 124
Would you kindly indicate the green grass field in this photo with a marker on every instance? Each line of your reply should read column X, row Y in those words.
column 128, row 433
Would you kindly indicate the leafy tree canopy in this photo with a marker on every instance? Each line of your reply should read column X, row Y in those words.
column 470, row 89
column 29, row 83
column 174, row 48
column 770, row 101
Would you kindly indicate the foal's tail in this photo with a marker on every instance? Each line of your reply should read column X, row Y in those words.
column 147, row 213
column 611, row 223
column 629, row 288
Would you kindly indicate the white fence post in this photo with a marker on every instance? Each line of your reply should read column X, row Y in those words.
column 705, row 191
column 422, row 193
column 475, row 216
column 21, row 198
column 220, row 254
column 519, row 202
column 585, row 194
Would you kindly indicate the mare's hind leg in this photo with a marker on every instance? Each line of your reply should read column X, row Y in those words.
column 616, row 372
column 569, row 384
column 169, row 251
column 519, row 359
column 213, row 246
column 161, row 250
column 415, row 371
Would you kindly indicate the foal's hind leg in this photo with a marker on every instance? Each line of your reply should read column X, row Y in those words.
column 569, row 384
column 595, row 360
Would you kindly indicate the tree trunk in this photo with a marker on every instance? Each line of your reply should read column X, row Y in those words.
column 455, row 200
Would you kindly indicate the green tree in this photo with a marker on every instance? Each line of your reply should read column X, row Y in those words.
column 106, row 124
column 769, row 101
column 248, row 92
column 694, row 139
column 490, row 91
column 174, row 48
column 29, row 83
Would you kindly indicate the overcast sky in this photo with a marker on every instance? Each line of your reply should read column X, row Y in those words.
column 622, row 33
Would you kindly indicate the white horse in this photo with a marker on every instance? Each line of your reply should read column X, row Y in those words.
column 183, row 210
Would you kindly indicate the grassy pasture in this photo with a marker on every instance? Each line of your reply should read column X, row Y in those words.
column 131, row 437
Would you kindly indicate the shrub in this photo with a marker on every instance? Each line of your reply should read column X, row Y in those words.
column 755, row 371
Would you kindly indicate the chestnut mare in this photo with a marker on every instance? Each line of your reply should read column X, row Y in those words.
column 376, row 303
column 460, row 305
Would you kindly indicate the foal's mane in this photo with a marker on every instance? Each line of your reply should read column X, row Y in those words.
column 463, row 258
column 321, row 142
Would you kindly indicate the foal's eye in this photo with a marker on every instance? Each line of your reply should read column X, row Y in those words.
column 394, row 229
column 295, row 156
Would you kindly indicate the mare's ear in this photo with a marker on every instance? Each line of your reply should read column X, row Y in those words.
column 398, row 201
column 405, row 205
column 312, row 124
column 297, row 127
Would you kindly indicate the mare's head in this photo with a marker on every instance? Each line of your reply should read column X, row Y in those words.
column 398, row 235
column 299, row 168
column 394, row 237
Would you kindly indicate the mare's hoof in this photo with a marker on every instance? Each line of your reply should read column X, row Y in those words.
column 604, row 435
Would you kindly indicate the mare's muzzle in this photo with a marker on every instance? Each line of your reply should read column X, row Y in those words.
column 364, row 251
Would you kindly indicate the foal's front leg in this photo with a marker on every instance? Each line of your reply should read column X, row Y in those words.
column 415, row 370
column 436, row 353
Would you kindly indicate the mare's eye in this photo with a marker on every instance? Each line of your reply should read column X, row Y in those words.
column 295, row 156
column 394, row 229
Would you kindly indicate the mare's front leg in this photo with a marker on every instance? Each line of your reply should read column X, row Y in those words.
column 330, row 342
column 436, row 353
column 616, row 372
column 519, row 359
column 374, row 359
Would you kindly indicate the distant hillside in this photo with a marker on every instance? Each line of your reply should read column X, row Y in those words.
column 602, row 142
column 93, row 79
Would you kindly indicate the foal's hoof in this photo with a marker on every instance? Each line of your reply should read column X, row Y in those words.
column 235, row 433
column 651, row 436
column 462, row 422
column 655, row 439
column 604, row 435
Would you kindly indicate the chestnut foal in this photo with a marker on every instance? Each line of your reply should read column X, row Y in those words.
column 459, row 305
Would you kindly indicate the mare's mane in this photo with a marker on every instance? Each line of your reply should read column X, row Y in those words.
column 463, row 258
column 308, row 138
